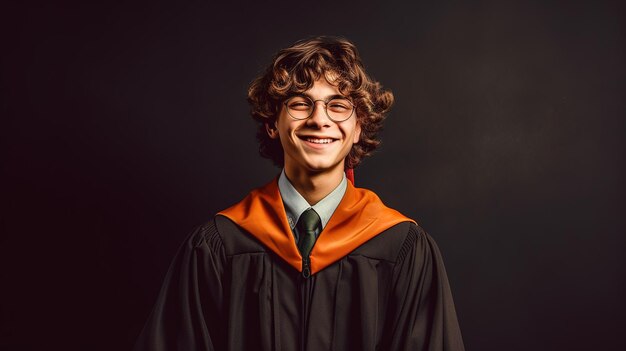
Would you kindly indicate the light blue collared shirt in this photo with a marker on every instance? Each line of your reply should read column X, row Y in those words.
column 295, row 204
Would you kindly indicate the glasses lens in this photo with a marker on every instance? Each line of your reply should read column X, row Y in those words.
column 299, row 107
column 339, row 109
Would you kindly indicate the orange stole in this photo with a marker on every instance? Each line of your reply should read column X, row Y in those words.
column 360, row 216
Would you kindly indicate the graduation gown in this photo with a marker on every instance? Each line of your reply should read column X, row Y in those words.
column 375, row 280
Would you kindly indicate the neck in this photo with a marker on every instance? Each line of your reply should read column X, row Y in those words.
column 314, row 186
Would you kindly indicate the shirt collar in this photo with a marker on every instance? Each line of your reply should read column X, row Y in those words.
column 295, row 204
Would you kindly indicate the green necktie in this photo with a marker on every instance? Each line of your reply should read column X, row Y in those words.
column 308, row 223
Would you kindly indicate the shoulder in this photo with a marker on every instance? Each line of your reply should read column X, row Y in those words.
column 205, row 235
column 234, row 239
column 222, row 234
column 393, row 243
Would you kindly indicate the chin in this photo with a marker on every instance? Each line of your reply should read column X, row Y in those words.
column 322, row 166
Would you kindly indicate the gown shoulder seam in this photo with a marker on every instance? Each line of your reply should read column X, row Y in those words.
column 412, row 236
column 209, row 235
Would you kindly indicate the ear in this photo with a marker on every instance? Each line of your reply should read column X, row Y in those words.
column 357, row 133
column 272, row 131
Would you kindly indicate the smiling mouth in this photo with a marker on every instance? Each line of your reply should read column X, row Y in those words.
column 317, row 140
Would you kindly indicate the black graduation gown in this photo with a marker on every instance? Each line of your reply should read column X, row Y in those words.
column 226, row 291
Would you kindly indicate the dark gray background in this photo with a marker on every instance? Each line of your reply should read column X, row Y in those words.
column 124, row 125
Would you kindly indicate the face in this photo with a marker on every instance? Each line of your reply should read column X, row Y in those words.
column 316, row 144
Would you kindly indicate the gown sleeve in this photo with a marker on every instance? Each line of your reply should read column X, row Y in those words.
column 422, row 314
column 186, row 314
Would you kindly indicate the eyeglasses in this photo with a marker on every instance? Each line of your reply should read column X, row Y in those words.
column 337, row 108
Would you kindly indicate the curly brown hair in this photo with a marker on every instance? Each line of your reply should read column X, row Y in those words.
column 296, row 68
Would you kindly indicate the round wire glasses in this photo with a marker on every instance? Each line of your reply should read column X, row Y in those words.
column 337, row 108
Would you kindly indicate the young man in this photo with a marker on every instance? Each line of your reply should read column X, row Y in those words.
column 308, row 261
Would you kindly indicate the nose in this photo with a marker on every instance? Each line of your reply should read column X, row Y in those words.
column 319, row 118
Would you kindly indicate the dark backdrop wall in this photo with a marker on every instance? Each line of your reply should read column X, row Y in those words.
column 124, row 125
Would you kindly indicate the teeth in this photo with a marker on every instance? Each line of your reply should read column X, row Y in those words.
column 319, row 141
